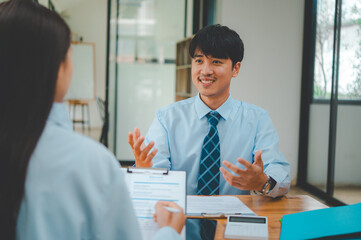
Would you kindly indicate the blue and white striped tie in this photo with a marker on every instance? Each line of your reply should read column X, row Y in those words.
column 208, row 178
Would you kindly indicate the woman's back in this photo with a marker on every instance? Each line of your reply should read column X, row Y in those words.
column 74, row 188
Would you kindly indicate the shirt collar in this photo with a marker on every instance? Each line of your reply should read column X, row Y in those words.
column 59, row 116
column 202, row 109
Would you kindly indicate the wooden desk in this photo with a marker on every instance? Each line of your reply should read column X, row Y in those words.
column 274, row 209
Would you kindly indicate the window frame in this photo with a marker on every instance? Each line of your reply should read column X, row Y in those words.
column 307, row 98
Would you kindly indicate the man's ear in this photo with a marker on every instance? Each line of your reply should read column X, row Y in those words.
column 236, row 68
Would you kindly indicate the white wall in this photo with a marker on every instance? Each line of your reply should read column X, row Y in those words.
column 89, row 20
column 270, row 76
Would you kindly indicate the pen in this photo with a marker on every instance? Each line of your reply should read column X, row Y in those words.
column 170, row 209
column 244, row 214
column 225, row 214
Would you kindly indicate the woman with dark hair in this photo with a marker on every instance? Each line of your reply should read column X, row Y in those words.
column 54, row 184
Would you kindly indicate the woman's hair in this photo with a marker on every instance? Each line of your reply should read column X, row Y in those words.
column 33, row 43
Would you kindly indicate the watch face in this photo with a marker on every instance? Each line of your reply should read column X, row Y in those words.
column 266, row 186
column 266, row 189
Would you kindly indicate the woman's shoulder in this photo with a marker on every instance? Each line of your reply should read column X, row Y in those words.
column 62, row 147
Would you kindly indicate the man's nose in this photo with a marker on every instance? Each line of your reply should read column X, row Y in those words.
column 207, row 69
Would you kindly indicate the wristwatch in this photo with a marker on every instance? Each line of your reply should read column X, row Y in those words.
column 266, row 186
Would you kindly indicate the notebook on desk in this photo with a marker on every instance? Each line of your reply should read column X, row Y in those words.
column 216, row 206
column 329, row 223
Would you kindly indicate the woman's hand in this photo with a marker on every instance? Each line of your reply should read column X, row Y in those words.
column 164, row 217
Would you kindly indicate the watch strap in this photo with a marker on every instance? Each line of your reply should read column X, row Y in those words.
column 266, row 186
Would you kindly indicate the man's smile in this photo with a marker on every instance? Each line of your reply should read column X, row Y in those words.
column 206, row 81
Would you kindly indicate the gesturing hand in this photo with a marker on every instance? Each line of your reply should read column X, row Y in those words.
column 141, row 152
column 250, row 178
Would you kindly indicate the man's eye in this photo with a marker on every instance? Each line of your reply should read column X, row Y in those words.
column 217, row 62
column 198, row 60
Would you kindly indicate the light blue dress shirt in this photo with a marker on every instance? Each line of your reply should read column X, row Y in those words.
column 75, row 189
column 178, row 131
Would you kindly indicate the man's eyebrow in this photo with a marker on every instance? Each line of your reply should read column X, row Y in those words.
column 199, row 55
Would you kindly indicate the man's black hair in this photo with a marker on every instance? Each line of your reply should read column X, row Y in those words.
column 218, row 41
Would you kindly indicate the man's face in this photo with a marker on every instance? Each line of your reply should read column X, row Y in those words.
column 212, row 76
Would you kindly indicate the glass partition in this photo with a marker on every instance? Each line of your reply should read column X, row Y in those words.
column 318, row 145
column 331, row 110
column 347, row 182
column 348, row 155
column 324, row 49
column 349, row 82
column 144, row 34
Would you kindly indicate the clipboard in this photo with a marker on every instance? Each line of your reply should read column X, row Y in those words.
column 146, row 186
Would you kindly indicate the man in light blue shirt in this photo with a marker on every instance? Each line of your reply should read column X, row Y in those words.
column 249, row 148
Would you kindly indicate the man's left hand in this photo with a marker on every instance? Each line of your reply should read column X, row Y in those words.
column 252, row 178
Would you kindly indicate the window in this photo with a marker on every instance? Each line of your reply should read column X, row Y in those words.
column 349, row 76
column 143, row 37
column 330, row 126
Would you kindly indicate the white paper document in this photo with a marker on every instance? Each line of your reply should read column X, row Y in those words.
column 215, row 206
column 147, row 186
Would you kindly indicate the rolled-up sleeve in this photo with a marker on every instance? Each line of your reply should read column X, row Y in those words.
column 159, row 134
column 274, row 163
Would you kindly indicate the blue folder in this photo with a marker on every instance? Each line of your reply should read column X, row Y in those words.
column 329, row 223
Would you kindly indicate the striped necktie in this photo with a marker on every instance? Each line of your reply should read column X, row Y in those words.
column 208, row 178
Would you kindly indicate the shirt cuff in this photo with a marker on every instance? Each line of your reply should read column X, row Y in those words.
column 279, row 190
column 166, row 233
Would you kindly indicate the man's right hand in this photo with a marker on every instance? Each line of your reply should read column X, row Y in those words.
column 141, row 152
